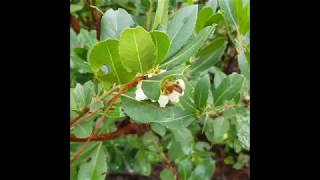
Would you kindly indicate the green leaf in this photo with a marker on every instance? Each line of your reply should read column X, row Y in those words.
column 87, row 38
column 184, row 137
column 184, row 168
column 161, row 17
column 213, row 4
column 243, row 130
column 95, row 167
column 158, row 128
column 204, row 14
column 193, row 46
column 162, row 43
column 74, row 42
column 209, row 56
column 96, row 105
column 75, row 7
column 143, row 166
column 216, row 129
column 228, row 89
column 113, row 22
column 175, row 151
column 203, row 171
column 79, row 64
column 81, row 95
column 244, row 64
column 218, row 76
column 181, row 27
column 237, row 13
column 137, row 50
column 151, row 88
column 201, row 92
column 106, row 54
column 166, row 174
column 171, row 116
column 84, row 130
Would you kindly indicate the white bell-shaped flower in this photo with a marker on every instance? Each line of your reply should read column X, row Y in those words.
column 174, row 96
column 181, row 83
column 163, row 100
column 139, row 93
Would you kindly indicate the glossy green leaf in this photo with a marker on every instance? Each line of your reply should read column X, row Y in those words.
column 162, row 43
column 184, row 137
column 151, row 88
column 84, row 130
column 137, row 51
column 95, row 167
column 216, row 129
column 228, row 89
column 161, row 17
column 113, row 22
column 237, row 13
column 203, row 171
column 158, row 128
column 184, row 168
column 171, row 116
column 104, row 61
column 204, row 14
column 193, row 46
column 218, row 76
column 201, row 92
column 181, row 27
column 244, row 64
column 209, row 56
column 167, row 174
column 81, row 95
column 87, row 39
column 74, row 42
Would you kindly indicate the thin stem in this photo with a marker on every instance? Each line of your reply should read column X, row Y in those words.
column 131, row 128
column 149, row 16
column 100, row 121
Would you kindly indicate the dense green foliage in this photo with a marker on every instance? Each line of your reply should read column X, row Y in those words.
column 204, row 44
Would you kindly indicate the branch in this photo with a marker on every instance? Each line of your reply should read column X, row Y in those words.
column 131, row 128
column 74, row 24
column 100, row 121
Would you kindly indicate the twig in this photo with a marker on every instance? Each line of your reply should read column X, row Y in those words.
column 100, row 121
column 74, row 24
column 131, row 128
column 77, row 120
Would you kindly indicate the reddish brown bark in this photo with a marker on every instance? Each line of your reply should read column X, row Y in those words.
column 74, row 24
column 131, row 128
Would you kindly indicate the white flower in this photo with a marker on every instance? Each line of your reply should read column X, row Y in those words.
column 149, row 75
column 174, row 96
column 139, row 93
column 162, row 71
column 181, row 83
column 139, row 85
column 163, row 100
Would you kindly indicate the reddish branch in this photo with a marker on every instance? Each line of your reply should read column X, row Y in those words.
column 96, row 15
column 100, row 121
column 74, row 24
column 77, row 120
column 131, row 128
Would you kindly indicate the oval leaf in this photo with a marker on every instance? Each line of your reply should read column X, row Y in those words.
column 162, row 43
column 192, row 47
column 107, row 53
column 228, row 89
column 171, row 116
column 201, row 92
column 181, row 27
column 137, row 50
column 113, row 22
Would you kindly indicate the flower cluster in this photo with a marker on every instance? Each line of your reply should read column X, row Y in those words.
column 171, row 91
